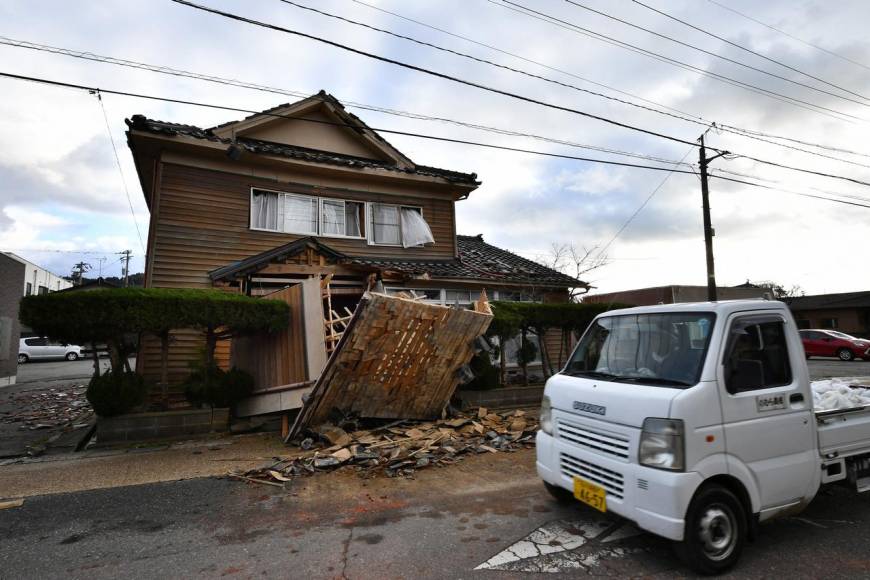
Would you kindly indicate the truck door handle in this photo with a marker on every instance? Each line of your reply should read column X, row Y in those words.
column 796, row 398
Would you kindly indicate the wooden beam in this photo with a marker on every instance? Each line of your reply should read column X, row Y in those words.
column 295, row 269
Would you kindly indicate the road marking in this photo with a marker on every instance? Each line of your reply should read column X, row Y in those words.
column 556, row 546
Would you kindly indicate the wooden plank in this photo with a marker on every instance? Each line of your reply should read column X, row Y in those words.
column 397, row 359
column 295, row 269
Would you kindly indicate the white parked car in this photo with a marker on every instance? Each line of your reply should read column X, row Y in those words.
column 40, row 348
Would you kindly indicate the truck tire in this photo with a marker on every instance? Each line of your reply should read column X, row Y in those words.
column 715, row 531
column 560, row 494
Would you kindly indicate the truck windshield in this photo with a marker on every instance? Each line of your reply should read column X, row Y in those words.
column 666, row 349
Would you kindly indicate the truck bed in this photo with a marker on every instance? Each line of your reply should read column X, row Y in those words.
column 844, row 432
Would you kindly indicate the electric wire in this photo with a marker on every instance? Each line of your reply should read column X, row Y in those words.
column 120, row 170
column 528, row 60
column 426, row 71
column 794, row 101
column 793, row 37
column 495, row 90
column 446, row 139
column 320, row 121
column 749, row 50
column 162, row 69
column 721, row 57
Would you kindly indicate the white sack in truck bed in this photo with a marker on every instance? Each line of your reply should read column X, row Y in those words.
column 834, row 394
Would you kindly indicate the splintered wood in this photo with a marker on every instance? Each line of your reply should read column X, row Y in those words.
column 397, row 359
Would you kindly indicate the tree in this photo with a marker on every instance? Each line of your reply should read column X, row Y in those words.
column 574, row 262
column 779, row 291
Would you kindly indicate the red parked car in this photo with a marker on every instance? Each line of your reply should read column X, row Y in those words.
column 833, row 343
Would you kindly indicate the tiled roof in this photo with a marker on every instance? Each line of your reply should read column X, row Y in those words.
column 830, row 301
column 478, row 261
column 257, row 146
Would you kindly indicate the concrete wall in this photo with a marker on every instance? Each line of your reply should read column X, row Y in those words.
column 38, row 277
column 11, row 278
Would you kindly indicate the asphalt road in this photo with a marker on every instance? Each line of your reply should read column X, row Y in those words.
column 487, row 517
column 41, row 371
column 825, row 368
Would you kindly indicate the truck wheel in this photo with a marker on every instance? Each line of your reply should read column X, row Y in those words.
column 845, row 354
column 560, row 494
column 715, row 531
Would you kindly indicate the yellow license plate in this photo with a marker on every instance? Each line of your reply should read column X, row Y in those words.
column 590, row 494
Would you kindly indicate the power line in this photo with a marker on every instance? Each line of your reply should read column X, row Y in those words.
column 528, row 60
column 488, row 62
column 794, row 101
column 319, row 121
column 719, row 56
column 405, row 133
column 120, row 170
column 721, row 126
column 749, row 50
column 747, row 133
column 793, row 37
column 298, row 94
column 640, row 208
column 428, row 71
column 492, row 89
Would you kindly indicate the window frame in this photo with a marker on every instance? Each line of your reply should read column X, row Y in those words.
column 756, row 319
column 370, row 230
column 318, row 218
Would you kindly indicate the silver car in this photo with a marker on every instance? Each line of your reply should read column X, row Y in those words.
column 40, row 348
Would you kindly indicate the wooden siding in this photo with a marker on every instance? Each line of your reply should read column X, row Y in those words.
column 201, row 222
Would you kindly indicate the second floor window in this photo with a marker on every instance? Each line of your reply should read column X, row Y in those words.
column 395, row 225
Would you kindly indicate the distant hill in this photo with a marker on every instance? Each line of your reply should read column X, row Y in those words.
column 135, row 280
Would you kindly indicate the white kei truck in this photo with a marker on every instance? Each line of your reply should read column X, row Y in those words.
column 695, row 422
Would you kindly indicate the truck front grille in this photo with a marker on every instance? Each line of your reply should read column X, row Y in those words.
column 610, row 480
column 601, row 442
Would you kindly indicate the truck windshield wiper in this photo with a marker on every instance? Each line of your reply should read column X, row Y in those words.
column 593, row 374
column 654, row 381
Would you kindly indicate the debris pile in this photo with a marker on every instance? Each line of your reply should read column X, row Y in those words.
column 45, row 408
column 836, row 394
column 400, row 448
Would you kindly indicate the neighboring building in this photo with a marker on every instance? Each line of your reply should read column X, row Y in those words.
column 674, row 294
column 18, row 277
column 308, row 189
column 847, row 312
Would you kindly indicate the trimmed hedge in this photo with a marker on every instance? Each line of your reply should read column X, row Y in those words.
column 100, row 315
column 509, row 318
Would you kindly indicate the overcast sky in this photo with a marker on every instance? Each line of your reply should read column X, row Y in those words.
column 60, row 188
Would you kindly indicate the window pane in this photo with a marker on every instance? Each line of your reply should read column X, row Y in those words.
column 300, row 214
column 333, row 218
column 460, row 296
column 264, row 210
column 758, row 356
column 352, row 218
column 385, row 224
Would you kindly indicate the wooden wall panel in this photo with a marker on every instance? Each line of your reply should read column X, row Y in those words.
column 202, row 224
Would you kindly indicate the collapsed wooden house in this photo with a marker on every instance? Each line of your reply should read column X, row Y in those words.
column 307, row 204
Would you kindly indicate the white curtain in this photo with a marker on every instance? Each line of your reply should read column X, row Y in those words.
column 415, row 230
column 264, row 210
column 300, row 214
column 385, row 224
column 333, row 217
column 352, row 212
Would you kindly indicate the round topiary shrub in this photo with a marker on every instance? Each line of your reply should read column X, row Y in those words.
column 217, row 388
column 116, row 393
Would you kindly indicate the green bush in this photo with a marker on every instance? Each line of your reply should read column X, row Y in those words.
column 116, row 393
column 210, row 385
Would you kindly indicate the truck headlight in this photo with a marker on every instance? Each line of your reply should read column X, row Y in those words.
column 662, row 444
column 546, row 421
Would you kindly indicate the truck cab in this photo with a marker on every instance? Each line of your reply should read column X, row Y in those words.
column 695, row 421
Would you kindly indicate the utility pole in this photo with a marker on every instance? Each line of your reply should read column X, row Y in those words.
column 712, row 294
column 126, row 258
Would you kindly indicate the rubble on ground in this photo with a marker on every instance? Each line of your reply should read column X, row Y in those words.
column 400, row 448
column 46, row 408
